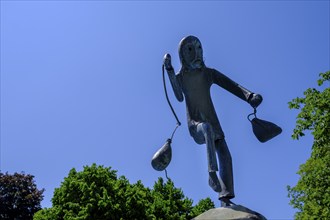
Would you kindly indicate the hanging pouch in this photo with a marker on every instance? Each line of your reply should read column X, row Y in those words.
column 162, row 157
column 263, row 130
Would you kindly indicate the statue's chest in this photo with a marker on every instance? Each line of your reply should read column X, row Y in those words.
column 196, row 82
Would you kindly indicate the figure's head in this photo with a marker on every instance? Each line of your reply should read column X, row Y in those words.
column 191, row 53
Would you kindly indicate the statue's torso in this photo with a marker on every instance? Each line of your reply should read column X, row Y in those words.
column 196, row 89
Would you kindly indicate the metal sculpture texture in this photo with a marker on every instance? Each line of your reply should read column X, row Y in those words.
column 192, row 84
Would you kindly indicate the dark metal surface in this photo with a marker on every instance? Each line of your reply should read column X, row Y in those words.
column 192, row 84
column 162, row 157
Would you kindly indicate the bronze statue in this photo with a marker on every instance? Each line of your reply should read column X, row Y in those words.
column 193, row 83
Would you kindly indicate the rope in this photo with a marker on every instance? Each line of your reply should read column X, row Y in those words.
column 169, row 103
column 166, row 175
column 168, row 100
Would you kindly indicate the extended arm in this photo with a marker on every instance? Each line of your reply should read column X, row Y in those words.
column 174, row 82
column 220, row 79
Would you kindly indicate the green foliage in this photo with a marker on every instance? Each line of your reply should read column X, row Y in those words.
column 168, row 202
column 311, row 195
column 314, row 114
column 202, row 206
column 97, row 193
column 46, row 214
column 19, row 196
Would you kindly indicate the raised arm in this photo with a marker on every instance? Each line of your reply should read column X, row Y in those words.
column 173, row 79
column 220, row 79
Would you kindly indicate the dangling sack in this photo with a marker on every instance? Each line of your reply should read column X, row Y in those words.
column 263, row 130
column 162, row 157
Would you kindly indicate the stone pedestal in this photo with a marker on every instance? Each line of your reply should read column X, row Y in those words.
column 235, row 212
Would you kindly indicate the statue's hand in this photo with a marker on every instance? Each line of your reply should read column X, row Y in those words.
column 255, row 100
column 167, row 62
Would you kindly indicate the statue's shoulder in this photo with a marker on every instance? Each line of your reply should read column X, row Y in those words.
column 210, row 70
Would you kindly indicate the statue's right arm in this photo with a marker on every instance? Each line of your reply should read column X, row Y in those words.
column 173, row 78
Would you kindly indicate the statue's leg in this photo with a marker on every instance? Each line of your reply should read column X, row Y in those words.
column 205, row 129
column 226, row 171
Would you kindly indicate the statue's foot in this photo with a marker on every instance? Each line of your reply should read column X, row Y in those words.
column 225, row 202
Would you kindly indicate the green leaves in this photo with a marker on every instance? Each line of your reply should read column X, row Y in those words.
column 311, row 195
column 314, row 111
column 97, row 193
column 169, row 202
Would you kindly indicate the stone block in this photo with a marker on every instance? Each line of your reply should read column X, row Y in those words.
column 235, row 212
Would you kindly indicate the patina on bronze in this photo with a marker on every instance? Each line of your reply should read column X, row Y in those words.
column 192, row 84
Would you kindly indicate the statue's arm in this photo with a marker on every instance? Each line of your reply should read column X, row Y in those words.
column 173, row 78
column 225, row 82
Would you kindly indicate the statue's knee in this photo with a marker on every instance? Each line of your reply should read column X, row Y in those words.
column 207, row 129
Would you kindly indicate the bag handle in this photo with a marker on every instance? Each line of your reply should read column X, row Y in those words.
column 254, row 113
column 167, row 99
column 178, row 123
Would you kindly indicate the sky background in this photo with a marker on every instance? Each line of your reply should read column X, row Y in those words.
column 81, row 83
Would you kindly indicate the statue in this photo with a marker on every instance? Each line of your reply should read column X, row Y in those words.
column 192, row 84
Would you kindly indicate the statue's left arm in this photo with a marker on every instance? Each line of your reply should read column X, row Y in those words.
column 225, row 82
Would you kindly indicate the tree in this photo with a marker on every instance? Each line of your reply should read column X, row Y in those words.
column 19, row 196
column 311, row 195
column 97, row 193
column 169, row 202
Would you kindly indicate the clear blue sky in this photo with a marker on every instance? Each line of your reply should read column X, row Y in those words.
column 81, row 84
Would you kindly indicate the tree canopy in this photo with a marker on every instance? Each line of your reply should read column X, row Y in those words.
column 19, row 196
column 97, row 193
column 311, row 195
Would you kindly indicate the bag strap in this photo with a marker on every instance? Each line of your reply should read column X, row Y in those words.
column 168, row 100
column 254, row 113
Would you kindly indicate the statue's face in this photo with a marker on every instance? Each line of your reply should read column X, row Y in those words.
column 192, row 53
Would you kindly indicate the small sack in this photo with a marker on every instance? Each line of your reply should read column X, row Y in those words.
column 264, row 130
column 162, row 157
